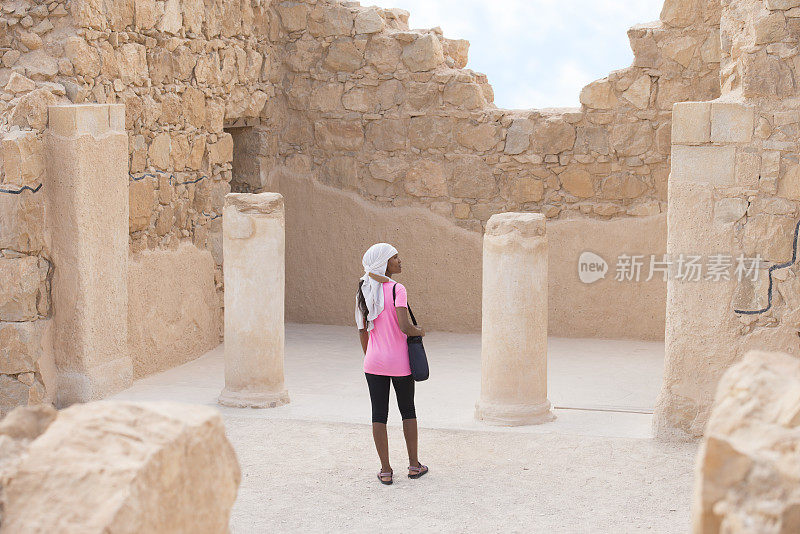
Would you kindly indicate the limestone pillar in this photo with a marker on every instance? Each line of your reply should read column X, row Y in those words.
column 254, row 250
column 86, row 195
column 704, row 209
column 514, row 322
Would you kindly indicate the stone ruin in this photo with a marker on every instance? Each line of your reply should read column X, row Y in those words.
column 748, row 473
column 125, row 123
column 116, row 467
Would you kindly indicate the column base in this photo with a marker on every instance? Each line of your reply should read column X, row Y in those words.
column 514, row 414
column 253, row 399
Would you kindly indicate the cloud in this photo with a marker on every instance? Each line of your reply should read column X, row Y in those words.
column 537, row 53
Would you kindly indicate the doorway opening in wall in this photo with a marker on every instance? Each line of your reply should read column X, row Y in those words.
column 249, row 159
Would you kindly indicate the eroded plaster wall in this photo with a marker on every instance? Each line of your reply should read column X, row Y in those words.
column 440, row 269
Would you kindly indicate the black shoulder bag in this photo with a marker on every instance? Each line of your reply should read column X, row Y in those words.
column 416, row 352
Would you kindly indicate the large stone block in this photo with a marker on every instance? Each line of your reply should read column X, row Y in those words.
column 220, row 152
column 747, row 474
column 388, row 169
column 20, row 346
column 480, row 137
column 577, row 181
column 339, row 134
column 23, row 288
column 387, row 134
column 782, row 4
column 132, row 62
column 524, row 189
column 631, row 138
column 13, row 393
column 86, row 119
column 426, row 178
column 293, row 15
column 424, row 53
column 599, row 95
column 638, row 93
column 623, row 186
column 766, row 75
column 430, row 132
column 465, row 95
column 691, row 123
column 22, row 222
column 22, row 158
column 337, row 20
column 141, row 198
column 679, row 13
column 369, row 21
column 343, row 55
column 384, row 53
column 680, row 49
column 553, row 137
column 711, row 164
column 731, row 122
column 31, row 110
column 127, row 468
column 770, row 236
column 472, row 178
column 518, row 138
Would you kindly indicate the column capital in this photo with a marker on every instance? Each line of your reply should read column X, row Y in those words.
column 525, row 224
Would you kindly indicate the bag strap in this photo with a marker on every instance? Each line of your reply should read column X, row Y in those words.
column 394, row 296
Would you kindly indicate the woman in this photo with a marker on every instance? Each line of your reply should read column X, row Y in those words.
column 383, row 325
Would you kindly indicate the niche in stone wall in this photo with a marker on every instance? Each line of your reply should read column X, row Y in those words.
column 254, row 148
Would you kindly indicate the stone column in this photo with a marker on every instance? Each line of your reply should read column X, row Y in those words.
column 514, row 322
column 254, row 251
column 705, row 206
column 86, row 195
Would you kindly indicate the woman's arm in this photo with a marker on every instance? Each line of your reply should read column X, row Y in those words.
column 364, row 335
column 405, row 324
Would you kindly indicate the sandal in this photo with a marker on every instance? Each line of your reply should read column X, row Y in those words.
column 382, row 475
column 417, row 471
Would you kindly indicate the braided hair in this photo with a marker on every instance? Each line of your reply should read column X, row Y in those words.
column 362, row 302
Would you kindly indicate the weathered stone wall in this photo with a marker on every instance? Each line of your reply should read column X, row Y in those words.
column 390, row 113
column 734, row 190
column 182, row 69
column 346, row 92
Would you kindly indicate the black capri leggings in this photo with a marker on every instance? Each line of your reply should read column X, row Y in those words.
column 379, row 395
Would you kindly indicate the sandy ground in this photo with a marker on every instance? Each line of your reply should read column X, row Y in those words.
column 311, row 465
column 320, row 477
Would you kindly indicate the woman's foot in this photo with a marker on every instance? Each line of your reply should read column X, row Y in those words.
column 385, row 477
column 418, row 471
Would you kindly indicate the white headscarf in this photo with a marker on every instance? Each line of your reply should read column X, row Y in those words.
column 374, row 261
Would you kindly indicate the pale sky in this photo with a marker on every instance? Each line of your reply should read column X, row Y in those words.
column 537, row 53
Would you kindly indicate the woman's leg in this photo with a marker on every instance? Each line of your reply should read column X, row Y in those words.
column 379, row 396
column 404, row 391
